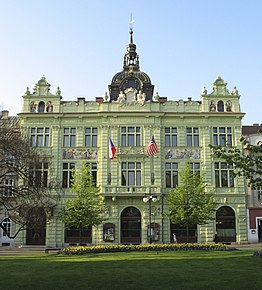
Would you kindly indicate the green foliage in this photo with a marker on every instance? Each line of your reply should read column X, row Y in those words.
column 247, row 163
column 189, row 204
column 88, row 207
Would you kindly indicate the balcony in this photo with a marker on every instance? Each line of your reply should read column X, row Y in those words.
column 130, row 190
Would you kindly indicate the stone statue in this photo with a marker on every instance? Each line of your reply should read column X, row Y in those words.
column 212, row 107
column 141, row 97
column 204, row 91
column 121, row 97
column 49, row 107
column 235, row 91
column 228, row 106
column 33, row 107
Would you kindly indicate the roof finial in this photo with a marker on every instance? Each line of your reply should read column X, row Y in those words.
column 131, row 28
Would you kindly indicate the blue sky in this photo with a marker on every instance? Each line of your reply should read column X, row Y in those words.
column 183, row 45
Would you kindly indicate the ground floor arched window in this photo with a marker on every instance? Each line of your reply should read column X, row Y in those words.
column 225, row 225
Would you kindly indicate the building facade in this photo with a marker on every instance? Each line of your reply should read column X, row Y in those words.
column 254, row 195
column 69, row 133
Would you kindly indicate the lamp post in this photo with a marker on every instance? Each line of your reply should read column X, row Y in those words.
column 150, row 199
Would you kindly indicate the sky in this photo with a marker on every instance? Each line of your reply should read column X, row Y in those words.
column 183, row 45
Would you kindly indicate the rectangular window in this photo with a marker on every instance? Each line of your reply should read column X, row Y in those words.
column 171, row 174
column 39, row 137
column 8, row 184
column 68, row 169
column 131, row 173
column 259, row 194
column 39, row 174
column 69, row 137
column 195, row 167
column 222, row 136
column 192, row 137
column 171, row 137
column 91, row 137
column 224, row 174
column 93, row 170
column 130, row 136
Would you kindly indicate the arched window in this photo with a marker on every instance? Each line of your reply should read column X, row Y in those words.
column 6, row 223
column 41, row 107
column 220, row 106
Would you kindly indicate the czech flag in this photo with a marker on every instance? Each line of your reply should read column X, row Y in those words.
column 112, row 149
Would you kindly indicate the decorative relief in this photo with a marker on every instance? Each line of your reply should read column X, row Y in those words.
column 183, row 154
column 79, row 154
column 131, row 151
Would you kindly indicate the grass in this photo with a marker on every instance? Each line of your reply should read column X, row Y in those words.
column 135, row 270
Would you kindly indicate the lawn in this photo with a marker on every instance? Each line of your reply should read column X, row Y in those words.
column 136, row 270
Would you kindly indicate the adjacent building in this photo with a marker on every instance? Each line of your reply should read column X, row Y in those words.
column 69, row 133
column 253, row 134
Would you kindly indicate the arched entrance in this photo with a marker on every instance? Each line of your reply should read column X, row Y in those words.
column 130, row 226
column 36, row 230
column 225, row 225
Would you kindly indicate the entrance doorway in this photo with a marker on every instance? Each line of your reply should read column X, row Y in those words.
column 130, row 226
column 259, row 230
column 226, row 225
column 36, row 234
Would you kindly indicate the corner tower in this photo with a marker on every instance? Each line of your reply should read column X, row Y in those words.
column 131, row 80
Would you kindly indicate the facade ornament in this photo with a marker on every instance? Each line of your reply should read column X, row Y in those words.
column 212, row 106
column 49, row 107
column 33, row 107
column 121, row 98
column 58, row 91
column 141, row 97
column 156, row 96
column 228, row 106
column 204, row 91
column 235, row 91
column 27, row 93
column 105, row 97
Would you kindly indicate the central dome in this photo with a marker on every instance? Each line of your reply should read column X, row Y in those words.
column 131, row 77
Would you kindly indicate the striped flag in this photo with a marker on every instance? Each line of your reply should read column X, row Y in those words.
column 152, row 147
column 112, row 149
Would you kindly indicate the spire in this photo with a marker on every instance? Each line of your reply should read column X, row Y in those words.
column 131, row 59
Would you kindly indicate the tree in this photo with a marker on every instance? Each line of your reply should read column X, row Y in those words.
column 189, row 204
column 247, row 163
column 88, row 207
column 22, row 192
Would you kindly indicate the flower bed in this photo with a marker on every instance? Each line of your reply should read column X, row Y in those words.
column 81, row 250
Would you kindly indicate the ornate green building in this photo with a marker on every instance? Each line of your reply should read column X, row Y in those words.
column 71, row 132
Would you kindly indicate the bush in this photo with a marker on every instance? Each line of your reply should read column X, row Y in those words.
column 81, row 250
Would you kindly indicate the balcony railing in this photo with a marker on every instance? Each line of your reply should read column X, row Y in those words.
column 131, row 190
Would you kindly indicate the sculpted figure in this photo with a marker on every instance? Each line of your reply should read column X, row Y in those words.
column 141, row 97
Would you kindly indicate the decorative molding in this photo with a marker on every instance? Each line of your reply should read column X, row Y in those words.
column 79, row 154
